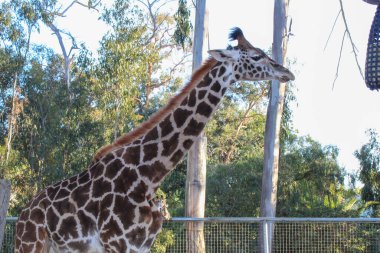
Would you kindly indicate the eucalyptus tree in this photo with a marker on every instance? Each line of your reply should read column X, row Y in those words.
column 369, row 173
column 132, row 68
column 311, row 185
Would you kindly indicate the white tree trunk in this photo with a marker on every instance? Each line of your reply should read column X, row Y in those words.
column 5, row 194
column 273, row 123
column 12, row 119
column 196, row 195
column 196, row 163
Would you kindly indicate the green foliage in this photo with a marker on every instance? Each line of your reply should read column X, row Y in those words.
column 130, row 64
column 234, row 190
column 163, row 241
column 236, row 133
column 369, row 174
column 312, row 182
column 183, row 24
column 55, row 135
column 310, row 185
column 174, row 187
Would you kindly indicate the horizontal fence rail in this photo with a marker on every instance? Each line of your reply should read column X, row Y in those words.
column 242, row 235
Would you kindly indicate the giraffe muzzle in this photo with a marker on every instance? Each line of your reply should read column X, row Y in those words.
column 287, row 77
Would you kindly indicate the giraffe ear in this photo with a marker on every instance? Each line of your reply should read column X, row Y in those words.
column 224, row 55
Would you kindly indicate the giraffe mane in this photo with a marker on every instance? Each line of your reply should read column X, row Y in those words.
column 144, row 127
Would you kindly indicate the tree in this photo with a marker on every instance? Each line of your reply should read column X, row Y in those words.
column 369, row 174
column 273, row 122
column 54, row 134
column 48, row 12
column 143, row 33
column 183, row 24
column 312, row 184
column 15, row 40
column 234, row 188
column 196, row 158
column 237, row 129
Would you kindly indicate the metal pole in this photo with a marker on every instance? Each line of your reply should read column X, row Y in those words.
column 5, row 194
column 266, row 237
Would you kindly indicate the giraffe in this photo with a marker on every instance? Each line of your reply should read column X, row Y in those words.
column 111, row 206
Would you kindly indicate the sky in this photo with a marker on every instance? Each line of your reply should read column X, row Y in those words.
column 338, row 115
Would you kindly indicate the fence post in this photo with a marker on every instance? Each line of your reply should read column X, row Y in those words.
column 5, row 194
column 266, row 236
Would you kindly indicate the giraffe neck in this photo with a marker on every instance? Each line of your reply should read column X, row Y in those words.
column 167, row 142
column 148, row 159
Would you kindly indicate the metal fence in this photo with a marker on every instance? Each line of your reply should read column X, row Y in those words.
column 8, row 241
column 241, row 235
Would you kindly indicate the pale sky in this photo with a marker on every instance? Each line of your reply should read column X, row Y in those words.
column 338, row 116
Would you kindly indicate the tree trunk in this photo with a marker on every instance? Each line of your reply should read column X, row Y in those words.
column 66, row 57
column 12, row 119
column 196, row 165
column 273, row 124
column 196, row 195
column 5, row 194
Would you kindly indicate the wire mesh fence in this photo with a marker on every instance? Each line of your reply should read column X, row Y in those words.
column 8, row 240
column 242, row 235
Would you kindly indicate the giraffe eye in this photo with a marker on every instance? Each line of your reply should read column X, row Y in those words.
column 256, row 58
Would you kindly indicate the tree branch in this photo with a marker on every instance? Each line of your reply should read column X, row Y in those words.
column 66, row 57
column 92, row 6
column 67, row 8
column 340, row 57
column 354, row 49
column 251, row 104
column 57, row 32
column 332, row 29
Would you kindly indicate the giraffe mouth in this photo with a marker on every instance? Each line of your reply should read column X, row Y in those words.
column 288, row 77
column 284, row 79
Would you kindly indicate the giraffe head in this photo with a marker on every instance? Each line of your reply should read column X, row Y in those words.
column 249, row 63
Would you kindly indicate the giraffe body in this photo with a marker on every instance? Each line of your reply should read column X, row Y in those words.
column 111, row 207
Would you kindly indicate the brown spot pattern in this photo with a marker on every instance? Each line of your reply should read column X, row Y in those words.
column 125, row 181
column 150, row 151
column 180, row 116
column 151, row 135
column 194, row 128
column 170, row 145
column 166, row 126
column 204, row 109
column 132, row 155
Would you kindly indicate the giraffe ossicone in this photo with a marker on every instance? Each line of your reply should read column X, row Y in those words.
column 111, row 206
